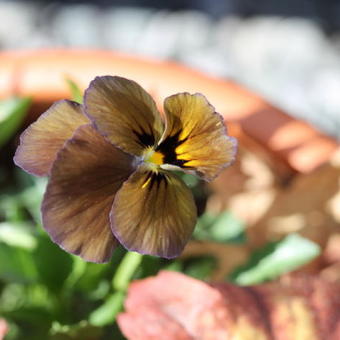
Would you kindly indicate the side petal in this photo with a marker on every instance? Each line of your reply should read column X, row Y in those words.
column 195, row 137
column 41, row 141
column 84, row 179
column 153, row 213
column 124, row 112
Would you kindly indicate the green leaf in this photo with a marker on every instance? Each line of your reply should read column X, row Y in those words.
column 11, row 209
column 53, row 264
column 23, row 199
column 87, row 276
column 107, row 312
column 16, row 297
column 76, row 94
column 18, row 235
column 113, row 332
column 12, row 297
column 223, row 228
column 200, row 267
column 174, row 265
column 80, row 331
column 31, row 197
column 17, row 264
column 79, row 267
column 34, row 322
column 149, row 266
column 12, row 113
column 276, row 259
column 190, row 180
column 197, row 187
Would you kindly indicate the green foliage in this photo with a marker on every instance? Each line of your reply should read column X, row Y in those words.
column 76, row 93
column 275, row 259
column 107, row 312
column 224, row 228
column 46, row 293
column 80, row 331
column 53, row 266
column 16, row 264
column 12, row 113
column 199, row 267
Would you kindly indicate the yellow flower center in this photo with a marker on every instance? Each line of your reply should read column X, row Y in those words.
column 156, row 158
column 152, row 156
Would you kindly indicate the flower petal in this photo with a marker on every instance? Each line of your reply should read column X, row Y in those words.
column 195, row 137
column 124, row 112
column 41, row 141
column 84, row 179
column 153, row 213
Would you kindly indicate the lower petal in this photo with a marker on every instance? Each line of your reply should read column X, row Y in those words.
column 84, row 179
column 41, row 141
column 154, row 213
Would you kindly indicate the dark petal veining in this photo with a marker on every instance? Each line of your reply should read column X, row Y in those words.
column 123, row 112
column 153, row 213
column 195, row 137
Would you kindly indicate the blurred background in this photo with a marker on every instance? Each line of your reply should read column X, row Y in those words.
column 257, row 222
column 287, row 51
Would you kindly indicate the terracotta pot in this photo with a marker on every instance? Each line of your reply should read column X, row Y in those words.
column 288, row 144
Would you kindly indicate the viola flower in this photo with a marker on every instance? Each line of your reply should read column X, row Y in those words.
column 110, row 161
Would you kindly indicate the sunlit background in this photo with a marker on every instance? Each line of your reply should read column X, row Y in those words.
column 286, row 51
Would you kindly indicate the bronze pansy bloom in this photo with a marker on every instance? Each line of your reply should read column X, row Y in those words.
column 110, row 161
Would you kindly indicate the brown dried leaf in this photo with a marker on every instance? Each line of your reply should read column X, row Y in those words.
column 173, row 306
column 3, row 328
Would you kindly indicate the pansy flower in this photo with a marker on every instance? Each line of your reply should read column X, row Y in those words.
column 110, row 165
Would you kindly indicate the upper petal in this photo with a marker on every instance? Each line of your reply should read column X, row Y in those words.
column 124, row 112
column 41, row 141
column 84, row 179
column 153, row 213
column 195, row 137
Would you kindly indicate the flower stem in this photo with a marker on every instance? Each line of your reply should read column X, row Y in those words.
column 126, row 270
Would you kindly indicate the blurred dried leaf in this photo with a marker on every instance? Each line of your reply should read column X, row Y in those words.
column 273, row 205
column 332, row 250
column 173, row 306
column 228, row 256
column 306, row 206
column 3, row 328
